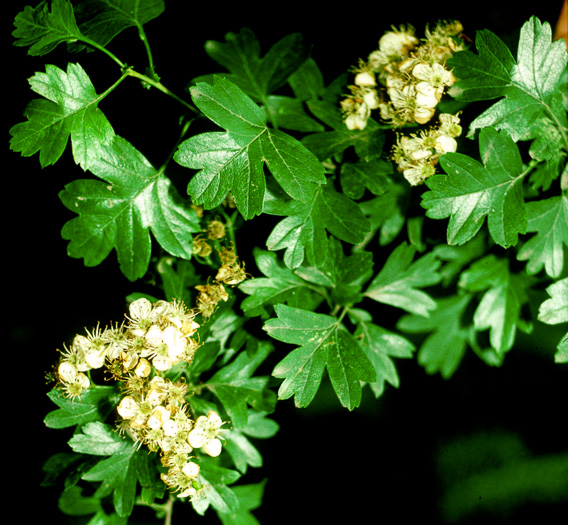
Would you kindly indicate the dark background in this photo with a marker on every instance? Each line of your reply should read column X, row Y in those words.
column 374, row 465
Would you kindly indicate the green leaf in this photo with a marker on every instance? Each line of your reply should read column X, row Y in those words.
column 344, row 275
column 235, row 387
column 256, row 76
column 555, row 309
column 289, row 113
column 69, row 109
column 119, row 212
column 387, row 213
column 499, row 309
column 117, row 475
column 443, row 350
column 73, row 503
column 216, row 493
column 102, row 20
column 280, row 285
column 303, row 232
column 368, row 143
column 96, row 403
column 372, row 175
column 233, row 161
column 399, row 280
column 531, row 84
column 549, row 219
column 470, row 191
column 98, row 439
column 323, row 343
column 44, row 30
column 307, row 81
column 380, row 346
column 250, row 498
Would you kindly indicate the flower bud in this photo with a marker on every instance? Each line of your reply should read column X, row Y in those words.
column 191, row 469
column 67, row 372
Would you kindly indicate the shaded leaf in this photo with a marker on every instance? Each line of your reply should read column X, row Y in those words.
column 399, row 280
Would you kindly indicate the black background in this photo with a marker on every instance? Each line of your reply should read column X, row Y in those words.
column 374, row 465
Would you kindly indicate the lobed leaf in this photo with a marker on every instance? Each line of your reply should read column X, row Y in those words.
column 102, row 20
column 43, row 30
column 549, row 219
column 120, row 212
column 399, row 281
column 322, row 343
column 233, row 161
column 532, row 84
column 69, row 110
column 471, row 191
column 256, row 76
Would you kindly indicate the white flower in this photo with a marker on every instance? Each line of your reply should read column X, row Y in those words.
column 158, row 416
column 450, row 125
column 212, row 448
column 436, row 75
column 365, row 79
column 67, row 371
column 445, row 144
column 205, row 432
column 166, row 346
column 426, row 95
column 398, row 42
column 358, row 120
column 191, row 469
column 128, row 408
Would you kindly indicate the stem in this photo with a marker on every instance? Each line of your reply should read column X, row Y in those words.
column 169, row 509
column 97, row 46
column 159, row 86
column 144, row 38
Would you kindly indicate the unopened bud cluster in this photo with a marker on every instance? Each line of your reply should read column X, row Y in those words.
column 405, row 79
column 231, row 272
column 153, row 410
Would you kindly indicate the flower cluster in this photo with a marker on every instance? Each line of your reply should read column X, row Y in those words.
column 157, row 335
column 404, row 78
column 417, row 154
column 155, row 414
column 153, row 409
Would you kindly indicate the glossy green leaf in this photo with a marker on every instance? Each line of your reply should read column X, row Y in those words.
column 303, row 233
column 119, row 212
column 43, row 30
column 471, row 191
column 380, row 346
column 322, row 343
column 499, row 309
column 549, row 219
column 531, row 84
column 280, row 284
column 95, row 404
column 555, row 309
column 233, row 161
column 118, row 476
column 69, row 110
column 102, row 20
column 343, row 275
column 236, row 387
